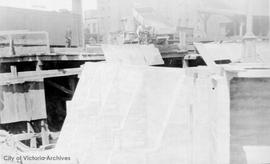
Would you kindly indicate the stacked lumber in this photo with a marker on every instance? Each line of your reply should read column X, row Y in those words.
column 20, row 43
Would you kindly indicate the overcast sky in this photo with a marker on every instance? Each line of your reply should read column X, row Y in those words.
column 47, row 4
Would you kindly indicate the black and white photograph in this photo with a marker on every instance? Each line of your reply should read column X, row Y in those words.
column 134, row 81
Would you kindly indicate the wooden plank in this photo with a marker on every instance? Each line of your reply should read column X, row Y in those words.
column 19, row 50
column 13, row 69
column 33, row 140
column 20, row 32
column 133, row 54
column 66, row 50
column 62, row 54
column 247, row 66
column 23, row 102
column 248, row 70
column 53, row 57
column 25, row 136
column 254, row 73
column 66, row 57
column 59, row 87
column 172, row 55
column 8, row 78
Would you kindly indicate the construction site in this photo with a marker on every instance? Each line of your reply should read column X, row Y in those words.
column 135, row 82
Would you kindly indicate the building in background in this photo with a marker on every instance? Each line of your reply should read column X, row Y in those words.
column 36, row 19
column 92, row 27
column 209, row 19
column 114, row 16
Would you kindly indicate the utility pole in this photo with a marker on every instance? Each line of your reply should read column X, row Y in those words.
column 78, row 13
column 269, row 22
column 249, row 41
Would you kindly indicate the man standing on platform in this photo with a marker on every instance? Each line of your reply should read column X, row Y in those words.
column 68, row 37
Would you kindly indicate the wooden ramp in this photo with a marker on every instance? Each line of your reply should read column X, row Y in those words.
column 137, row 114
column 133, row 54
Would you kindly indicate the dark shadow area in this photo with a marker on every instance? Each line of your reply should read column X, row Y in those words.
column 58, row 91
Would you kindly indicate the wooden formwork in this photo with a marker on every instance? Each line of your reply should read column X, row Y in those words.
column 24, row 103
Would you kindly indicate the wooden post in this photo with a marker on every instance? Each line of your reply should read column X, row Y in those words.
column 44, row 133
column 39, row 64
column 241, row 29
column 182, row 38
column 11, row 45
column 48, row 43
column 33, row 141
column 13, row 70
column 185, row 63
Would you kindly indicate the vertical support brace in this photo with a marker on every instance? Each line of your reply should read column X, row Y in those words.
column 13, row 70
column 44, row 133
column 39, row 64
column 33, row 141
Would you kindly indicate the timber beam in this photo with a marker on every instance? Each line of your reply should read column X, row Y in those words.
column 21, row 77
column 60, row 87
column 53, row 57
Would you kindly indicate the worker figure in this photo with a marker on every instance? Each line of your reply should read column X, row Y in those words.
column 68, row 37
column 144, row 34
column 140, row 33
